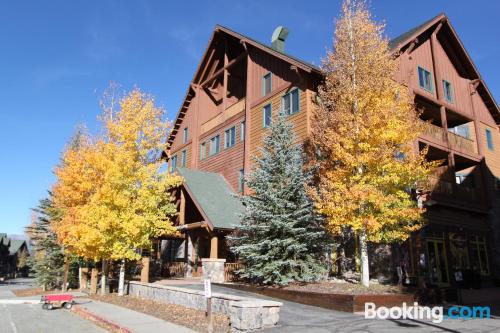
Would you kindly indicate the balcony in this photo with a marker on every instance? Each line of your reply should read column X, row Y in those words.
column 443, row 137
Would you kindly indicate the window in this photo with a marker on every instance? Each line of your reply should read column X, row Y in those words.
column 448, row 91
column 425, row 79
column 185, row 134
column 489, row 139
column 290, row 102
column 214, row 145
column 241, row 180
column 173, row 163
column 183, row 158
column 203, row 150
column 230, row 137
column 242, row 131
column 479, row 255
column 266, row 84
column 266, row 115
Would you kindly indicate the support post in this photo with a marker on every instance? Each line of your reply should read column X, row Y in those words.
column 93, row 281
column 145, row 270
column 84, row 279
column 214, row 244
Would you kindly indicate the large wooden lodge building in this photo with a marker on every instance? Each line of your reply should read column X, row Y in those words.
column 241, row 83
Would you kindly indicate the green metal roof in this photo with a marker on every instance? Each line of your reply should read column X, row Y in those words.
column 393, row 43
column 15, row 245
column 217, row 200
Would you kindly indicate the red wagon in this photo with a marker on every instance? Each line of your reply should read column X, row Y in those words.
column 51, row 301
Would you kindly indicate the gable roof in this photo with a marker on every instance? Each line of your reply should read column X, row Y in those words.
column 15, row 245
column 304, row 65
column 406, row 38
column 218, row 203
column 4, row 239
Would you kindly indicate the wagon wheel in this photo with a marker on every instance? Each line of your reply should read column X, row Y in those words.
column 44, row 306
column 49, row 306
column 68, row 305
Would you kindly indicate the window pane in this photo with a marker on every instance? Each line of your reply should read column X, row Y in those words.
column 286, row 104
column 183, row 160
column 421, row 77
column 266, row 84
column 489, row 139
column 295, row 101
column 242, row 131
column 267, row 115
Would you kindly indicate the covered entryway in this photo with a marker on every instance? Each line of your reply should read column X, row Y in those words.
column 208, row 210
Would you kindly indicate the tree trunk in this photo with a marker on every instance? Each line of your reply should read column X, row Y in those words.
column 363, row 254
column 104, row 273
column 121, row 280
column 65, row 275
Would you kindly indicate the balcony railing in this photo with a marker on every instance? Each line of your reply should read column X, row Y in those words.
column 456, row 141
column 434, row 132
column 452, row 190
column 461, row 143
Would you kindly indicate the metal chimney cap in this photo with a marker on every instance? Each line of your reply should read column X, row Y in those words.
column 280, row 33
column 278, row 38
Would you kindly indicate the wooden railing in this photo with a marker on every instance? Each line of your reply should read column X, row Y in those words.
column 174, row 269
column 434, row 132
column 456, row 141
column 455, row 191
column 229, row 271
column 461, row 143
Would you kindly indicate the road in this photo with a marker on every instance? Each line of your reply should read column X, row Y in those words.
column 28, row 318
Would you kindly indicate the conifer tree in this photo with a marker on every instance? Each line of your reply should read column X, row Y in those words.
column 280, row 239
column 364, row 128
column 47, row 260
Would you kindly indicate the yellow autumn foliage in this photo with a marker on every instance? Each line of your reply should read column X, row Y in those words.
column 364, row 129
column 112, row 189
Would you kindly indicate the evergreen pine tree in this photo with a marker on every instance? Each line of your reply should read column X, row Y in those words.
column 48, row 259
column 280, row 238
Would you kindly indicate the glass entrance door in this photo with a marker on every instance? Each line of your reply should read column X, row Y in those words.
column 437, row 264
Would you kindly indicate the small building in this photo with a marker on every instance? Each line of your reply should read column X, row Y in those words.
column 12, row 254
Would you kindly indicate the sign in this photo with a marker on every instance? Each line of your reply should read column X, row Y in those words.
column 208, row 288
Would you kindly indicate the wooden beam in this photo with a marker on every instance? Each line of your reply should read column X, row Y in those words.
column 182, row 208
column 190, row 226
column 202, row 75
column 226, row 67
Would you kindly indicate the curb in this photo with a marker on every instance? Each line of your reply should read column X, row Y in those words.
column 82, row 311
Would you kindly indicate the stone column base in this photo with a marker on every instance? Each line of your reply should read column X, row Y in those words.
column 213, row 268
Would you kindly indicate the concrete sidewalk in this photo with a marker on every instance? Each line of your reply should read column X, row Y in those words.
column 130, row 320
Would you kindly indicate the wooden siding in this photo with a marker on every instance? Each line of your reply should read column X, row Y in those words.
column 299, row 119
column 459, row 84
column 264, row 63
column 227, row 162
column 178, row 152
column 492, row 157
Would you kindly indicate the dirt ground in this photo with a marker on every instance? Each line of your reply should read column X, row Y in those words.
column 191, row 318
column 335, row 287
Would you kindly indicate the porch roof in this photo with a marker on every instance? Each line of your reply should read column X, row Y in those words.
column 218, row 203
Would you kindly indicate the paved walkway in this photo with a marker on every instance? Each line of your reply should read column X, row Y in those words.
column 295, row 317
column 134, row 321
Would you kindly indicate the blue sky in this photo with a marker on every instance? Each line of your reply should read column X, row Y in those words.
column 56, row 57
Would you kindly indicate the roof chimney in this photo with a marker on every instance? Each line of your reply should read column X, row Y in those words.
column 278, row 38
